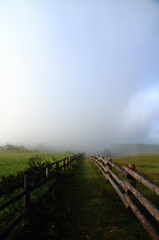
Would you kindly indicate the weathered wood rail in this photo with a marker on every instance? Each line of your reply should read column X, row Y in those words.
column 58, row 166
column 130, row 194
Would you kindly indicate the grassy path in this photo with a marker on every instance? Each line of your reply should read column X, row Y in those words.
column 81, row 206
column 90, row 208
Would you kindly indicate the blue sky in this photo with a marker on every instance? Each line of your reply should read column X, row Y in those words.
column 79, row 75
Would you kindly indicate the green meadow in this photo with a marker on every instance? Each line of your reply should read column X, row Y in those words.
column 147, row 165
column 13, row 162
column 82, row 204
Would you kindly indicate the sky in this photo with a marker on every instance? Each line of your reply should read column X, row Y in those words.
column 79, row 75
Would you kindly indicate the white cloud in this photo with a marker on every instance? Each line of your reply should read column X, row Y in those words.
column 79, row 73
column 142, row 114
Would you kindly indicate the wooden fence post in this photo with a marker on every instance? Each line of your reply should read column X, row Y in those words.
column 132, row 181
column 63, row 163
column 57, row 165
column 67, row 161
column 109, row 166
column 26, row 187
column 47, row 170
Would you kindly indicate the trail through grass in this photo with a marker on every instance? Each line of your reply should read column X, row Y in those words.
column 81, row 206
column 91, row 209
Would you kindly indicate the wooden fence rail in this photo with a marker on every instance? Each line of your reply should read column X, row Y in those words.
column 61, row 165
column 131, row 194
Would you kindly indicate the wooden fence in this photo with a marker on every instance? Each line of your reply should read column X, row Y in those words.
column 61, row 165
column 131, row 194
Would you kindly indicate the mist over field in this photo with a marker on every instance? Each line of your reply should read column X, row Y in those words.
column 79, row 75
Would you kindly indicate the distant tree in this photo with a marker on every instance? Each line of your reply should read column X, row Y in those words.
column 10, row 147
column 106, row 153
column 69, row 152
column 82, row 155
column 36, row 150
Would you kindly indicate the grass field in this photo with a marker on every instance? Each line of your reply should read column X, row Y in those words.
column 83, row 205
column 147, row 165
column 12, row 162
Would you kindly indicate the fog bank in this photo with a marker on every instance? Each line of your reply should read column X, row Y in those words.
column 79, row 76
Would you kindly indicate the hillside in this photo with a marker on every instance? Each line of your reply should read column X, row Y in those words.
column 135, row 149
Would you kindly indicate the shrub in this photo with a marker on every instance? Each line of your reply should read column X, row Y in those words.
column 12, row 182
